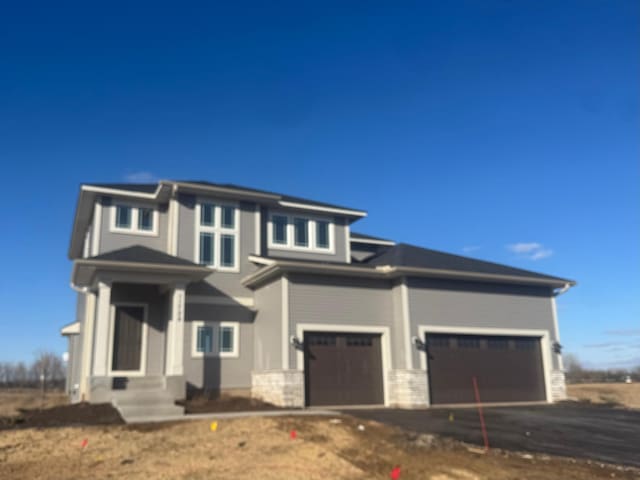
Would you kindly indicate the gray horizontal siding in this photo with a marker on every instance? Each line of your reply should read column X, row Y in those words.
column 215, row 373
column 268, row 327
column 341, row 301
column 110, row 241
column 465, row 304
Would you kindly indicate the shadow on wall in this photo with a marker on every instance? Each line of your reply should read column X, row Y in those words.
column 210, row 383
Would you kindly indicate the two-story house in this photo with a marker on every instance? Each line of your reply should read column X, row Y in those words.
column 196, row 285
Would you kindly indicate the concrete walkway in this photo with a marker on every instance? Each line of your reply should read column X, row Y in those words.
column 227, row 415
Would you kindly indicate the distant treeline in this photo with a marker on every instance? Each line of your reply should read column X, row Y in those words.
column 46, row 365
column 576, row 373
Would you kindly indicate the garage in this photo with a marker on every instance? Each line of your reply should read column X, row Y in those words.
column 343, row 369
column 507, row 368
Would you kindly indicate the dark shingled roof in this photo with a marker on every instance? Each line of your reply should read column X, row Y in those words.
column 133, row 187
column 151, row 187
column 404, row 255
column 283, row 197
column 140, row 254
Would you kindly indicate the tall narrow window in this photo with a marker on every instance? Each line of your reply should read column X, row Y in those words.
column 207, row 214
column 279, row 223
column 301, row 232
column 227, row 255
column 123, row 216
column 217, row 235
column 205, row 340
column 145, row 219
column 226, row 339
column 228, row 217
column 206, row 248
column 322, row 234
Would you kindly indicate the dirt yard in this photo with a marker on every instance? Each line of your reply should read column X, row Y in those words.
column 623, row 394
column 262, row 448
column 11, row 400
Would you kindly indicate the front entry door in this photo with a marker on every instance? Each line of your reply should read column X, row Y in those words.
column 127, row 339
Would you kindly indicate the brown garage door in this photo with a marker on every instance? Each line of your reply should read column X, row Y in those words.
column 342, row 369
column 508, row 369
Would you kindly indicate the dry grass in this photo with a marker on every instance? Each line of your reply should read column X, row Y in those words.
column 261, row 448
column 624, row 394
column 15, row 398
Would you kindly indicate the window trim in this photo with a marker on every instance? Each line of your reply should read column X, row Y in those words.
column 216, row 337
column 134, row 220
column 312, row 246
column 218, row 231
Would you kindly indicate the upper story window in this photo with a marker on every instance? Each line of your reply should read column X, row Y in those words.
column 301, row 232
column 127, row 218
column 217, row 235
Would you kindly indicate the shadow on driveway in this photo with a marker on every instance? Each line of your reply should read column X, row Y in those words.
column 568, row 429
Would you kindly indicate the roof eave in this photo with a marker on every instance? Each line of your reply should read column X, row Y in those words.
column 195, row 272
column 388, row 271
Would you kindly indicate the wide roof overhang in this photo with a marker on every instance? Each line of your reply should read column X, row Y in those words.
column 276, row 268
column 88, row 272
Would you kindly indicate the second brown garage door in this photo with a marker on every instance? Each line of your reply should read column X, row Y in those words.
column 508, row 369
column 342, row 369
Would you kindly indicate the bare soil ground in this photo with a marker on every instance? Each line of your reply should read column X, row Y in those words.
column 250, row 448
column 13, row 399
column 627, row 395
column 339, row 448
column 214, row 403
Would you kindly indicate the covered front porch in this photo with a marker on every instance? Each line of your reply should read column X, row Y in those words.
column 134, row 328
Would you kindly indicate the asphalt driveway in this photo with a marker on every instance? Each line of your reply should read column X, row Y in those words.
column 575, row 430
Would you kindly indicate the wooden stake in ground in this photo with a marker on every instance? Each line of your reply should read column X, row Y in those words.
column 482, row 425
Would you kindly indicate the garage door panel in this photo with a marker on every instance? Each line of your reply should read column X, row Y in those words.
column 506, row 368
column 343, row 369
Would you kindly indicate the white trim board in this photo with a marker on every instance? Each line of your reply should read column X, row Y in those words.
column 97, row 224
column 545, row 345
column 141, row 372
column 385, row 343
column 318, row 208
column 285, row 322
column 554, row 312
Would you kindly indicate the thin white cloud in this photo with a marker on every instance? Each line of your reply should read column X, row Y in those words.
column 531, row 250
column 471, row 248
column 542, row 253
column 524, row 247
column 140, row 177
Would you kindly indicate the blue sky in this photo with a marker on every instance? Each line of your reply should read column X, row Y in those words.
column 508, row 131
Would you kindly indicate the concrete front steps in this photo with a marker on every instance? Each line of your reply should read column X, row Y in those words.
column 145, row 399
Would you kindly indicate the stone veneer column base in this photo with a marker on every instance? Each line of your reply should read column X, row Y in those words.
column 284, row 388
column 408, row 388
column 558, row 386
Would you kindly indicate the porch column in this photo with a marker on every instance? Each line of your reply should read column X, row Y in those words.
column 101, row 343
column 175, row 333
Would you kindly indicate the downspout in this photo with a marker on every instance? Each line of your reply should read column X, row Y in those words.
column 562, row 290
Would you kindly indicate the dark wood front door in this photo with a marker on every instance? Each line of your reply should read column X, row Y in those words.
column 343, row 369
column 127, row 338
column 507, row 368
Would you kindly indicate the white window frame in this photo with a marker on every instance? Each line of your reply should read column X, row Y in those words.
column 135, row 213
column 291, row 244
column 217, row 230
column 141, row 372
column 216, row 326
